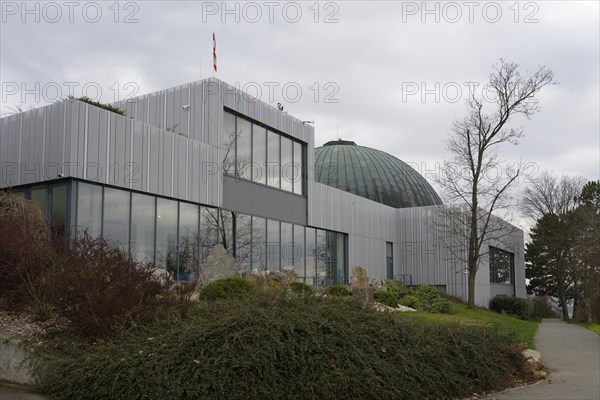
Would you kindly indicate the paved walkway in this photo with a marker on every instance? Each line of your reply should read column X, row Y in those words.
column 572, row 354
column 13, row 392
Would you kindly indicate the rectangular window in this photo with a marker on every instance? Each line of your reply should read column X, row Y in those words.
column 142, row 227
column 389, row 257
column 188, row 252
column 229, row 144
column 299, row 248
column 287, row 245
column 273, row 163
column 115, row 226
column 58, row 209
column 259, row 237
column 244, row 148
column 38, row 196
column 311, row 256
column 287, row 167
column 166, row 236
column 298, row 168
column 501, row 266
column 89, row 209
column 273, row 245
column 259, row 154
column 209, row 231
column 243, row 241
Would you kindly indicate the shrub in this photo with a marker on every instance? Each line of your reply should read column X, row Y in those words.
column 97, row 288
column 411, row 301
column 299, row 287
column 388, row 298
column 397, row 287
column 515, row 306
column 104, row 106
column 429, row 299
column 228, row 288
column 306, row 348
column 337, row 290
column 25, row 250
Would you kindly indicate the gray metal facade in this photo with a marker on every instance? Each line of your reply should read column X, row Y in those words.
column 170, row 144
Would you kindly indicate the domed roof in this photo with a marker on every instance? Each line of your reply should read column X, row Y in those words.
column 372, row 174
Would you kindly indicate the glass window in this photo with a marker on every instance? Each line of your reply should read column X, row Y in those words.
column 38, row 196
column 259, row 154
column 226, row 230
column 321, row 257
column 287, row 167
column 259, row 254
column 209, row 231
column 273, row 245
column 244, row 148
column 166, row 235
column 298, row 168
column 58, row 210
column 299, row 251
column 229, row 143
column 142, row 227
column 287, row 245
column 89, row 209
column 115, row 226
column 188, row 252
column 311, row 255
column 243, row 241
column 273, row 164
column 501, row 266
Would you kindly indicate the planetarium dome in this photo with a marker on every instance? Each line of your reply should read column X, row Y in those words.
column 372, row 174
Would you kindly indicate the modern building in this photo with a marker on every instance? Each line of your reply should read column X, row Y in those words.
column 204, row 163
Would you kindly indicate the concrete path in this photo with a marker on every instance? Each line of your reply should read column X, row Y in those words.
column 572, row 354
column 14, row 392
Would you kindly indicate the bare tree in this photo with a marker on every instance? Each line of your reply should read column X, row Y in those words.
column 476, row 177
column 549, row 194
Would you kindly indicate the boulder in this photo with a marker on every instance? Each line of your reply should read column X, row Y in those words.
column 379, row 285
column 360, row 287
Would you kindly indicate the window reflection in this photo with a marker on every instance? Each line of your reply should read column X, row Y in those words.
column 243, row 241
column 142, row 227
column 273, row 245
column 287, row 167
column 188, row 251
column 273, row 164
column 298, row 168
column 115, row 227
column 89, row 209
column 259, row 254
column 209, row 231
column 299, row 249
column 259, row 154
column 244, row 148
column 166, row 235
column 287, row 245
column 311, row 255
column 58, row 210
column 229, row 144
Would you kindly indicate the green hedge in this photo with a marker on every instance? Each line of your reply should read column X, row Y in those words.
column 303, row 348
column 228, row 288
column 337, row 290
column 521, row 308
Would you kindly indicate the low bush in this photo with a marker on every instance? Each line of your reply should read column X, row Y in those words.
column 411, row 301
column 228, row 288
column 98, row 288
column 521, row 308
column 397, row 287
column 388, row 298
column 302, row 348
column 427, row 298
column 299, row 287
column 337, row 290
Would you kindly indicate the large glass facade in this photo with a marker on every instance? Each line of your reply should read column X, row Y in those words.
column 255, row 153
column 179, row 236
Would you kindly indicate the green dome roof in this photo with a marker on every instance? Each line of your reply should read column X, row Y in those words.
column 372, row 174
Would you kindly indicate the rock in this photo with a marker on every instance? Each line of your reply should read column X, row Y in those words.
column 360, row 287
column 533, row 359
column 402, row 308
column 379, row 285
column 218, row 265
column 539, row 374
column 272, row 281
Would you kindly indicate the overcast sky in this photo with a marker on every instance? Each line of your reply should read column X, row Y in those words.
column 388, row 75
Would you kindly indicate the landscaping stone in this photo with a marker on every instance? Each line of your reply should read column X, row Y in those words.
column 379, row 285
column 360, row 287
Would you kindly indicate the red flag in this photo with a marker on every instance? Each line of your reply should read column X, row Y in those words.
column 214, row 53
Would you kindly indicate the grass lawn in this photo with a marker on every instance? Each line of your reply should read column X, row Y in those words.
column 524, row 330
column 592, row 327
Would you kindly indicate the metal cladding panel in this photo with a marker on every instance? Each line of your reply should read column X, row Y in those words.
column 154, row 160
column 92, row 159
column 138, row 156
